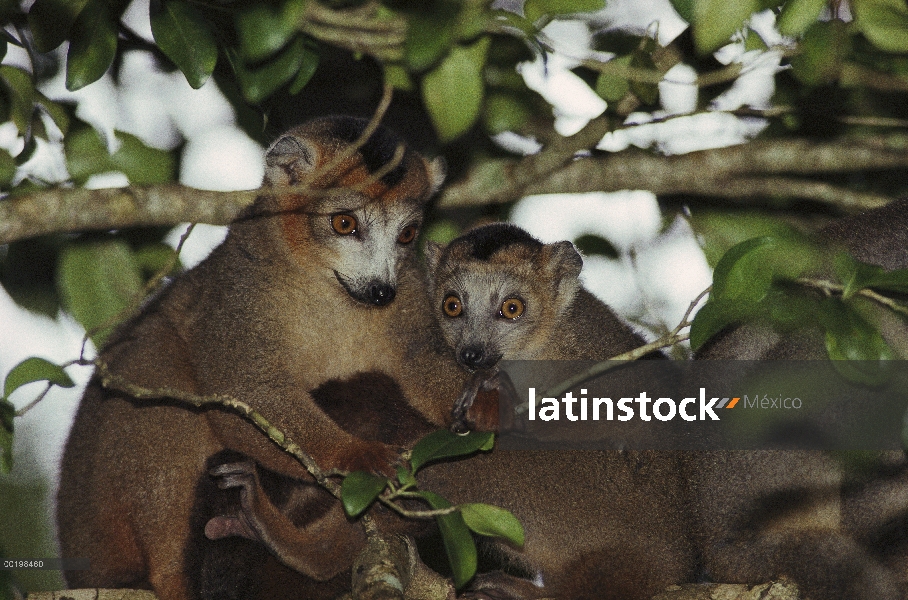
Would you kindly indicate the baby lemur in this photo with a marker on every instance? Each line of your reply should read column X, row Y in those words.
column 310, row 286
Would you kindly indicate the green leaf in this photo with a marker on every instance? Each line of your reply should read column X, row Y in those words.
column 405, row 477
column 856, row 276
column 747, row 270
column 92, row 46
column 505, row 112
column 98, row 280
column 891, row 281
column 493, row 521
column 430, row 35
column 22, row 96
column 459, row 544
column 55, row 111
column 398, row 78
column 35, row 369
column 185, row 36
column 359, row 490
column 713, row 317
column 86, row 154
column 849, row 338
column 7, row 413
column 142, row 164
column 453, row 92
column 884, row 22
column 50, row 21
column 685, row 9
column 153, row 258
column 310, row 58
column 798, row 15
column 7, row 169
column 260, row 82
column 821, row 52
column 533, row 9
column 264, row 30
column 446, row 444
column 614, row 87
column 715, row 21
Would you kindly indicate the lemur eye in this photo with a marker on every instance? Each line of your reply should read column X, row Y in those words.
column 407, row 235
column 452, row 306
column 511, row 308
column 344, row 224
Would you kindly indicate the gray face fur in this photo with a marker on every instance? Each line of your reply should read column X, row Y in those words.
column 505, row 304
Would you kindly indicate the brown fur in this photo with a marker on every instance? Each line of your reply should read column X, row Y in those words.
column 265, row 319
column 802, row 514
column 599, row 524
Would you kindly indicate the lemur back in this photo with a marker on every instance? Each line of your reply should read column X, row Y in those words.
column 309, row 287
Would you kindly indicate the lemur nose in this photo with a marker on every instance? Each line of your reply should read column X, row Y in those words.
column 381, row 294
column 472, row 356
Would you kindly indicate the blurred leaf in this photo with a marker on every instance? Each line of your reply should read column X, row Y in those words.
column 98, row 280
column 185, row 36
column 648, row 93
column 86, row 154
column 459, row 544
column 884, row 22
column 263, row 30
column 891, row 281
column 722, row 229
column 446, row 444
column 50, row 21
column 821, row 52
column 35, row 369
column 27, row 274
column 7, row 169
column 798, row 15
column 753, row 41
column 310, row 59
column 453, row 92
column 715, row 21
column 22, row 96
column 685, row 9
column 260, row 82
column 28, row 150
column 154, row 258
column 142, row 164
column 430, row 35
column 613, row 87
column 849, row 337
column 505, row 112
column 713, row 317
column 398, row 78
column 493, row 521
column 856, row 276
column 359, row 490
column 55, row 111
column 7, row 413
column 533, row 9
column 92, row 46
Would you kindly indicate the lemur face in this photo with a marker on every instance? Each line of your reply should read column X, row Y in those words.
column 498, row 292
column 353, row 219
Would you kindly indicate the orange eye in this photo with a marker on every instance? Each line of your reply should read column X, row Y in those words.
column 407, row 235
column 452, row 306
column 344, row 224
column 511, row 308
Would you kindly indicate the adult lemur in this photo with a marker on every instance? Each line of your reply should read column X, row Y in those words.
column 309, row 286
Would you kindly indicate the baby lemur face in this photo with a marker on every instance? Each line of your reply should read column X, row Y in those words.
column 358, row 216
column 498, row 293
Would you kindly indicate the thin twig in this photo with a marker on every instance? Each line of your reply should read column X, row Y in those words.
column 830, row 288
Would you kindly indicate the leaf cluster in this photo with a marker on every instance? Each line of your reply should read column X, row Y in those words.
column 360, row 490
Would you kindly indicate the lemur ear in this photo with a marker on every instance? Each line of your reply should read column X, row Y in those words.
column 289, row 159
column 433, row 257
column 437, row 170
column 562, row 263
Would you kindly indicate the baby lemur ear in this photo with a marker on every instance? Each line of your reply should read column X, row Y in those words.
column 433, row 257
column 437, row 169
column 289, row 159
column 561, row 263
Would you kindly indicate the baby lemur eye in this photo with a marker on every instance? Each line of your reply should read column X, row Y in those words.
column 407, row 235
column 511, row 308
column 344, row 224
column 452, row 306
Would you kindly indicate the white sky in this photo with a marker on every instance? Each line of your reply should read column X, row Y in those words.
column 656, row 276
